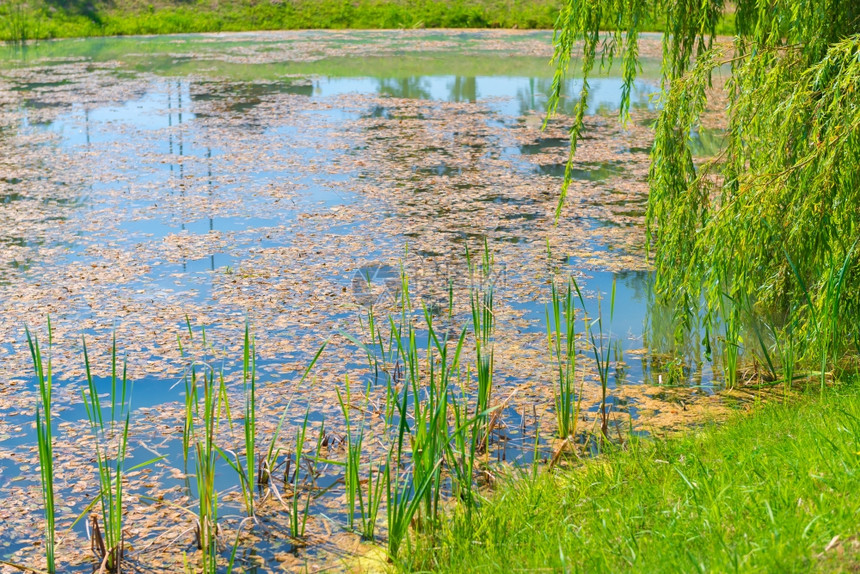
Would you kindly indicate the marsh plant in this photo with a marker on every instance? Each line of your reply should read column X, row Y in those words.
column 366, row 501
column 268, row 463
column 206, row 404
column 481, row 296
column 246, row 471
column 299, row 508
column 602, row 345
column 438, row 421
column 561, row 342
column 44, row 436
column 437, row 425
column 108, row 540
column 405, row 493
column 461, row 455
column 411, row 479
column 203, row 434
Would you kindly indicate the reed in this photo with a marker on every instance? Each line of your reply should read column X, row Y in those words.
column 298, row 513
column 107, row 536
column 205, row 402
column 367, row 503
column 247, row 479
column 198, row 438
column 205, row 405
column 481, row 297
column 561, row 342
column 108, row 540
column 601, row 347
column 269, row 462
column 731, row 339
column 461, row 450
column 44, row 436
column 205, row 467
column 402, row 502
column 370, row 503
column 429, row 435
column 381, row 351
column 249, row 391
column 354, row 441
column 191, row 403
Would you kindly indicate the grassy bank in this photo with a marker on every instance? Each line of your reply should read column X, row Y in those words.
column 40, row 19
column 775, row 491
column 54, row 19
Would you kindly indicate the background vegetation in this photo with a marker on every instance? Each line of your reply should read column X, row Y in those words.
column 34, row 19
column 54, row 19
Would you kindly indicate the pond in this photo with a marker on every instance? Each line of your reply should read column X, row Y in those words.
column 165, row 192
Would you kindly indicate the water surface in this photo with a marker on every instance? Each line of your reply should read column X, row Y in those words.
column 285, row 179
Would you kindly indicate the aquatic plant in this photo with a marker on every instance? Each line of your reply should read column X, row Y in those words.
column 200, row 429
column 730, row 314
column 299, row 512
column 247, row 480
column 206, row 452
column 404, row 494
column 601, row 346
column 483, row 323
column 352, row 479
column 462, row 449
column 107, row 537
column 367, row 502
column 561, row 342
column 269, row 462
column 249, row 392
column 370, row 502
column 108, row 540
column 44, row 436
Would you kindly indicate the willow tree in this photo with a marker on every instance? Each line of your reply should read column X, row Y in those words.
column 770, row 227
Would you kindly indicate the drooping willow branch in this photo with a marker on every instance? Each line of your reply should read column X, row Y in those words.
column 771, row 222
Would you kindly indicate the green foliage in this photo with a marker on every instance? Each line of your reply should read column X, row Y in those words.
column 26, row 21
column 34, row 19
column 21, row 20
column 775, row 491
column 772, row 222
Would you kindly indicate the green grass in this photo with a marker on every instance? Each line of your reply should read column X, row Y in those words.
column 28, row 19
column 50, row 19
column 767, row 492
